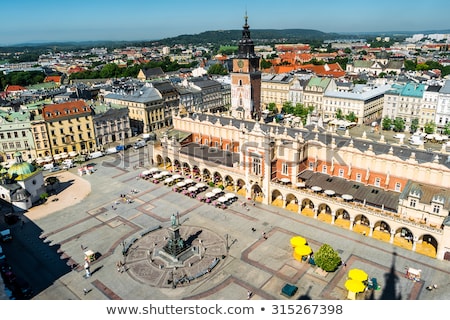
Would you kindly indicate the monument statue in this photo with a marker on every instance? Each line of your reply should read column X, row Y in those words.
column 173, row 220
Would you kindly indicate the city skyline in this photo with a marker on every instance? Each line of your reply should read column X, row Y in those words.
column 60, row 21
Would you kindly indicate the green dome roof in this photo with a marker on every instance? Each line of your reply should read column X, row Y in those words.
column 22, row 168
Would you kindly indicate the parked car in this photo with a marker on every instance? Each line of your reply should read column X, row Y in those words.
column 399, row 136
column 54, row 169
column 139, row 144
column 48, row 166
column 2, row 258
column 96, row 154
column 5, row 235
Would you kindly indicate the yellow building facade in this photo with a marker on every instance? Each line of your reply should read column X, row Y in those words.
column 70, row 127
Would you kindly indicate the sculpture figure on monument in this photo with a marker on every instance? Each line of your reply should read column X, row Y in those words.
column 173, row 220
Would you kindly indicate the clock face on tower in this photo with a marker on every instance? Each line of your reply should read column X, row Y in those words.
column 240, row 63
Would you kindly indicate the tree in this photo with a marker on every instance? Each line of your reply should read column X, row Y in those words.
column 265, row 64
column 43, row 196
column 327, row 258
column 399, row 125
column 272, row 107
column 429, row 127
column 351, row 117
column 386, row 123
column 217, row 69
column 414, row 124
column 446, row 129
column 339, row 114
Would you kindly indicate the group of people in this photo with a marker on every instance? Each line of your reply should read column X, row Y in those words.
column 120, row 267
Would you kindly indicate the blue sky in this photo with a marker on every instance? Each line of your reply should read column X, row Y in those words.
column 79, row 20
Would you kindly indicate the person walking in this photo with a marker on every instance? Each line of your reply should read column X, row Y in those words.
column 86, row 268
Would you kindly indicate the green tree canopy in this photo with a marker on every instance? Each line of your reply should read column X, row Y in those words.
column 299, row 110
column 217, row 69
column 429, row 127
column 351, row 117
column 386, row 123
column 399, row 125
column 265, row 64
column 414, row 124
column 327, row 258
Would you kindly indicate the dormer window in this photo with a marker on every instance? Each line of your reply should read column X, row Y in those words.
column 415, row 193
column 438, row 199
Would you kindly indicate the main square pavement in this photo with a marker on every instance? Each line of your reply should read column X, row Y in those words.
column 234, row 257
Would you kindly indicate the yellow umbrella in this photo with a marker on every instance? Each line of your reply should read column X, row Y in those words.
column 358, row 274
column 298, row 241
column 303, row 250
column 354, row 285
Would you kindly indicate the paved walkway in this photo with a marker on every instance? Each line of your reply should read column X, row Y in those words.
column 96, row 218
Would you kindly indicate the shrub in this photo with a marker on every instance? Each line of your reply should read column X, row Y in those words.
column 327, row 258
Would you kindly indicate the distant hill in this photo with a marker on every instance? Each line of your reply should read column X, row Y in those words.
column 226, row 37
column 259, row 36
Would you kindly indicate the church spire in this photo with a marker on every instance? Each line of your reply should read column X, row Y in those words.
column 246, row 46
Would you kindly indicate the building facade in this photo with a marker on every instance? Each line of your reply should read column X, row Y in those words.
column 145, row 108
column 16, row 136
column 111, row 124
column 70, row 128
column 362, row 186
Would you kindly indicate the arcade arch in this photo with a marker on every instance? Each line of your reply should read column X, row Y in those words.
column 256, row 193
column 291, row 202
column 277, row 198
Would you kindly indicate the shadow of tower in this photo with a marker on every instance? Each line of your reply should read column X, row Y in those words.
column 391, row 279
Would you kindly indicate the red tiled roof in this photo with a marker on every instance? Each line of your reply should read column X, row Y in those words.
column 66, row 109
column 55, row 79
column 331, row 69
column 13, row 88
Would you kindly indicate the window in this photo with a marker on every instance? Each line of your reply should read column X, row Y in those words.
column 324, row 169
column 436, row 208
column 358, row 177
column 256, row 166
column 377, row 182
column 412, row 203
column 284, row 168
column 311, row 166
column 341, row 173
column 398, row 186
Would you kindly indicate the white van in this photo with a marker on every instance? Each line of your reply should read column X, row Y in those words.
column 48, row 166
column 95, row 155
column 111, row 150
column 415, row 140
column 67, row 164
